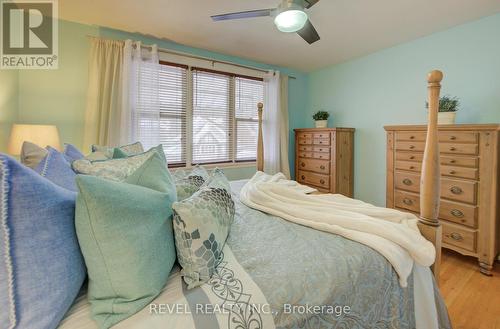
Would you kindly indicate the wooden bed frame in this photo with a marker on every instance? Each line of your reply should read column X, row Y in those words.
column 430, row 178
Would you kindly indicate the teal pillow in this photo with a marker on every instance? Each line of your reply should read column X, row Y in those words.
column 201, row 226
column 125, row 234
column 119, row 153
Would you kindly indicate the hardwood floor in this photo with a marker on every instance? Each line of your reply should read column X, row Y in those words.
column 473, row 299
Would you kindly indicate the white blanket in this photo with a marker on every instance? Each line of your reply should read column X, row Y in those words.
column 394, row 234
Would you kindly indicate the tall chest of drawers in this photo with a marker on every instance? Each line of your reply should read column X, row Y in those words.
column 469, row 164
column 324, row 159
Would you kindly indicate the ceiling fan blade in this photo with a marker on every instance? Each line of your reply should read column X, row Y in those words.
column 310, row 3
column 243, row 14
column 309, row 33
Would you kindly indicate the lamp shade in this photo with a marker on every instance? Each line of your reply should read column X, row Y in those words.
column 40, row 135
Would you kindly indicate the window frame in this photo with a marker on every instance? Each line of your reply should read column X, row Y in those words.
column 233, row 120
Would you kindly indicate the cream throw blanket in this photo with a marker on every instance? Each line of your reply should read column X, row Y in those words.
column 394, row 234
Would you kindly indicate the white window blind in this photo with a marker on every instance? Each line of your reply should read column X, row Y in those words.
column 212, row 119
column 248, row 93
column 173, row 99
column 204, row 116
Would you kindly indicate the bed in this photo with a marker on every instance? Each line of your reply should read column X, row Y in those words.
column 279, row 274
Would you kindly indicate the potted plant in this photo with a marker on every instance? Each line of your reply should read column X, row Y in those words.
column 448, row 107
column 321, row 119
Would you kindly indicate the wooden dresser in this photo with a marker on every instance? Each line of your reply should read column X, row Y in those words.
column 469, row 184
column 324, row 159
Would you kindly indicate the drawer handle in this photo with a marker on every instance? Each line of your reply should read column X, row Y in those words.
column 457, row 213
column 412, row 137
column 412, row 167
column 456, row 236
column 412, row 147
column 407, row 201
column 407, row 181
column 412, row 157
column 452, row 149
column 302, row 164
column 453, row 138
column 452, row 172
column 456, row 190
column 453, row 161
column 321, row 142
column 322, row 181
column 303, row 177
column 322, row 167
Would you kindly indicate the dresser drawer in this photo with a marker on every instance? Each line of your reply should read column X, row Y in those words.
column 411, row 135
column 408, row 165
column 459, row 236
column 305, row 135
column 410, row 146
column 455, row 148
column 321, row 135
column 458, row 136
column 458, row 190
column 459, row 161
column 461, row 172
column 323, row 156
column 409, row 156
column 458, row 213
column 406, row 200
column 305, row 141
column 325, row 142
column 407, row 181
column 321, row 149
column 314, row 179
column 305, row 148
column 305, row 154
column 319, row 166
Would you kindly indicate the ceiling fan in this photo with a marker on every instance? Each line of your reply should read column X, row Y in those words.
column 288, row 17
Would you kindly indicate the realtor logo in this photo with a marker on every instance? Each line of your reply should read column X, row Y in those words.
column 29, row 34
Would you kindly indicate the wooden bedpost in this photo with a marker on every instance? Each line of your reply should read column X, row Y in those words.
column 260, row 142
column 430, row 179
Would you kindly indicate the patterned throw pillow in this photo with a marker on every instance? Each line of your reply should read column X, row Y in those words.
column 106, row 152
column 116, row 169
column 188, row 182
column 201, row 226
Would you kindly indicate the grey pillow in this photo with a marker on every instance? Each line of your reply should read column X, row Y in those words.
column 32, row 154
column 187, row 182
column 116, row 169
column 201, row 226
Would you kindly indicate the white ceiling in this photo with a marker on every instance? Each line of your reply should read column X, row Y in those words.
column 348, row 28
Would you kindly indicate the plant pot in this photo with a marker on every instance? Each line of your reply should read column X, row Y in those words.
column 446, row 118
column 321, row 123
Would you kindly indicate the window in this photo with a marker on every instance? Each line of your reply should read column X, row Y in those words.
column 206, row 116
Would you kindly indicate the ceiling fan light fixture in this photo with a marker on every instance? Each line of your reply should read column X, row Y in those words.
column 291, row 20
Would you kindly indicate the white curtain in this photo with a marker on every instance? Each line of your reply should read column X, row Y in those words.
column 122, row 96
column 275, row 124
column 141, row 109
column 104, row 98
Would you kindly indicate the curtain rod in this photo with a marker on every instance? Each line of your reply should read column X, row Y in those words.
column 168, row 51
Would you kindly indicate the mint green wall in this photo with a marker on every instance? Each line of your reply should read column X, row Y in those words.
column 59, row 96
column 389, row 87
column 8, row 104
